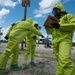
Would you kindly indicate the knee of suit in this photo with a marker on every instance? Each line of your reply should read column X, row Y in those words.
column 7, row 52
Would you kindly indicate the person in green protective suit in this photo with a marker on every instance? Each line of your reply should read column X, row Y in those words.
column 14, row 58
column 31, row 46
column 18, row 33
column 62, row 34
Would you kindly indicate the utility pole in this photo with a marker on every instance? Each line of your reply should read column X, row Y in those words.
column 25, row 4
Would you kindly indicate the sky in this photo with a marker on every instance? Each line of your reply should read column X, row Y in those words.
column 12, row 11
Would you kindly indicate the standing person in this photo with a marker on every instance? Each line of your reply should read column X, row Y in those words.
column 62, row 34
column 31, row 46
column 18, row 33
column 14, row 58
column 46, row 42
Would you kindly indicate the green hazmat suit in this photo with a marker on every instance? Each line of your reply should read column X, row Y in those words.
column 18, row 33
column 14, row 59
column 62, row 42
column 31, row 45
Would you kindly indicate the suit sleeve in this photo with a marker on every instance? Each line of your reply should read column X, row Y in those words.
column 35, row 31
column 48, row 30
column 68, row 23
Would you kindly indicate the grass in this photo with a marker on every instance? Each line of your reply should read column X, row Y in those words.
column 45, row 55
column 41, row 70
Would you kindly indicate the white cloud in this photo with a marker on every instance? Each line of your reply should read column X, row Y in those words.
column 19, row 1
column 46, row 3
column 38, row 15
column 3, row 14
column 45, row 7
column 4, row 31
column 7, row 3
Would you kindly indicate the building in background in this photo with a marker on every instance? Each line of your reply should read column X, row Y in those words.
column 0, row 33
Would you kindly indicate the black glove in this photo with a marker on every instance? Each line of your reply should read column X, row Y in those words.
column 42, row 36
column 6, row 37
column 55, row 25
column 34, row 37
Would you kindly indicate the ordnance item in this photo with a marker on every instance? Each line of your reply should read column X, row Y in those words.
column 25, row 3
column 50, row 20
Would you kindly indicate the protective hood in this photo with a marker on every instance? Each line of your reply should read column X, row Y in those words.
column 60, row 6
column 29, row 20
column 35, row 22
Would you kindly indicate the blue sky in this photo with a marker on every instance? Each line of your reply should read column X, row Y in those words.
column 12, row 11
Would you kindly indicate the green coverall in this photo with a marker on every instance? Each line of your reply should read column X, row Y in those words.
column 31, row 45
column 62, row 42
column 18, row 33
column 14, row 59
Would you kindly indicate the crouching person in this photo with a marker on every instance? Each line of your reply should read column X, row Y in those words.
column 14, row 58
column 18, row 33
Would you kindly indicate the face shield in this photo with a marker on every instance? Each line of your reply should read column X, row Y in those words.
column 57, row 12
column 36, row 26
